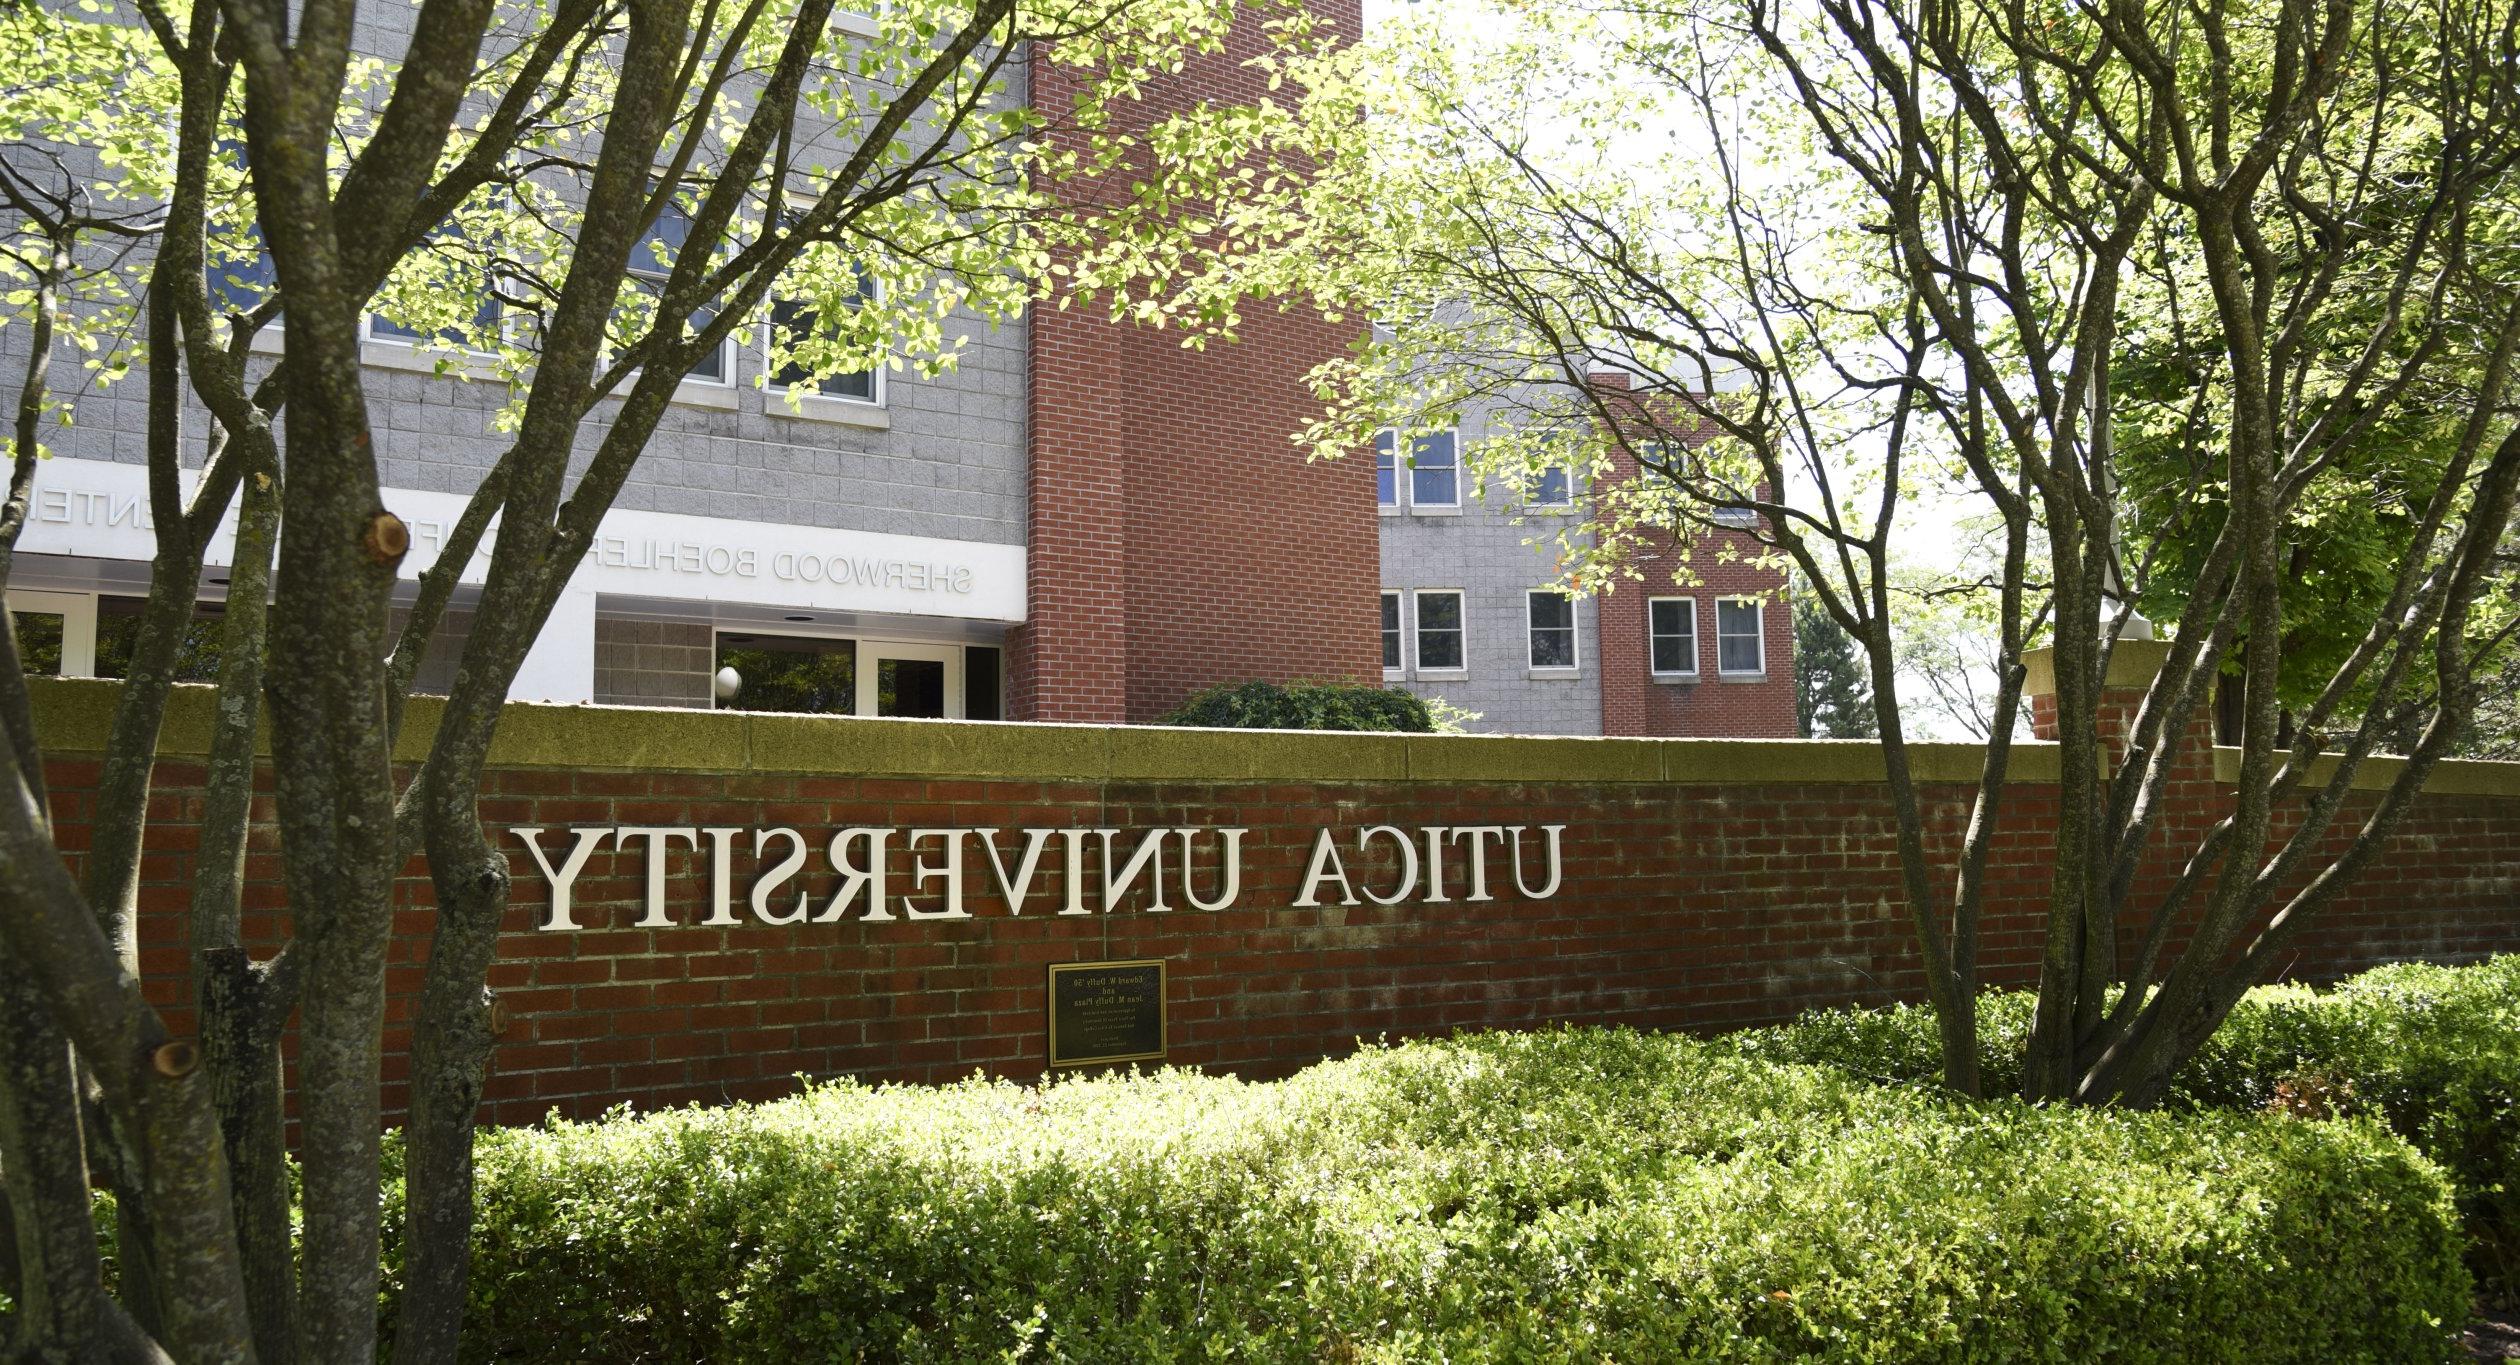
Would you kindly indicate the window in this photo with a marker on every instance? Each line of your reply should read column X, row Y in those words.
column 1551, row 619
column 652, row 263
column 485, row 321
column 1435, row 470
column 1386, row 470
column 239, row 267
column 1740, row 640
column 1554, row 487
column 1671, row 635
column 786, row 673
column 1744, row 518
column 1439, row 631
column 240, row 283
column 196, row 650
column 1391, row 634
column 792, row 322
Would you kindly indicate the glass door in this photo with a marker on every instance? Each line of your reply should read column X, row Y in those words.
column 909, row 680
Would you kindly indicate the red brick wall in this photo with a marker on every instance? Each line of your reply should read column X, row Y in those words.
column 1717, row 565
column 1633, row 703
column 1178, row 537
column 1683, row 906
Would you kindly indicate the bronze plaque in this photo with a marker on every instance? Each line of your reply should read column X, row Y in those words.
column 1106, row 1012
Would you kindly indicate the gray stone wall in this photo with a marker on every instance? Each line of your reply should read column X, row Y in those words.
column 653, row 663
column 941, row 457
column 1495, row 551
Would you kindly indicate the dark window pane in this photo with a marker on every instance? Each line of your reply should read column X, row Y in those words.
column 1673, row 626
column 1434, row 471
column 38, row 642
column 1554, row 488
column 910, row 687
column 1439, row 630
column 118, row 636
column 241, row 283
column 1386, row 470
column 485, row 324
column 651, row 261
column 1391, row 630
column 781, row 673
column 790, row 322
column 1552, row 630
column 1737, row 642
column 982, row 698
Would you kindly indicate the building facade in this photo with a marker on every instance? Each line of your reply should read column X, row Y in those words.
column 1082, row 521
column 1476, row 610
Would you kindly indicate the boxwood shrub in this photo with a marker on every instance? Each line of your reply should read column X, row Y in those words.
column 2433, row 1051
column 1304, row 706
column 1580, row 1194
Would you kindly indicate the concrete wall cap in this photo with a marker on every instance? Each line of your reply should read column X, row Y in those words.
column 76, row 715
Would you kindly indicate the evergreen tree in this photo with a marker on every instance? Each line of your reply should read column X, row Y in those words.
column 1832, row 696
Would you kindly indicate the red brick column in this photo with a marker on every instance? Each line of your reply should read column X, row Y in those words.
column 1179, row 539
column 1069, row 660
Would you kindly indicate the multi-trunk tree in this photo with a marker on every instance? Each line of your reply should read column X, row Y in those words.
column 189, row 184
column 1813, row 262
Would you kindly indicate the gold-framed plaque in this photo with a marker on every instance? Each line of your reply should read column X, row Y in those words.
column 1107, row 1012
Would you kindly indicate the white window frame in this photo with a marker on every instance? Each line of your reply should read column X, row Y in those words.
column 1417, row 631
column 1399, row 632
column 77, row 611
column 1757, row 605
column 1689, row 605
column 1399, row 489
column 1408, row 474
column 1574, row 635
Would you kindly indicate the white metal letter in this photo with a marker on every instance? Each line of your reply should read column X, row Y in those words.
column 854, row 878
column 1478, row 835
column 566, row 877
column 1016, row 888
column 1325, row 867
column 921, row 873
column 1513, row 840
column 659, row 838
column 1229, row 874
column 777, row 877
column 1408, row 862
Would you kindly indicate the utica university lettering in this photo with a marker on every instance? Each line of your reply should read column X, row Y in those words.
column 1436, row 865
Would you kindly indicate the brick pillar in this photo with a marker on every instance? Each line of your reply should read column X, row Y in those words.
column 1069, row 660
column 2133, row 664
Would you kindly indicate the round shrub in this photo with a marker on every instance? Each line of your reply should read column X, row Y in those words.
column 1582, row 1194
column 1304, row 706
column 2434, row 1051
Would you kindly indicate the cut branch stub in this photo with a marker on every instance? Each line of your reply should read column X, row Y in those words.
column 387, row 539
column 176, row 1060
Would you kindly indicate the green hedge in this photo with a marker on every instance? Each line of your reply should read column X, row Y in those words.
column 1590, row 1194
column 1304, row 706
column 2435, row 1051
